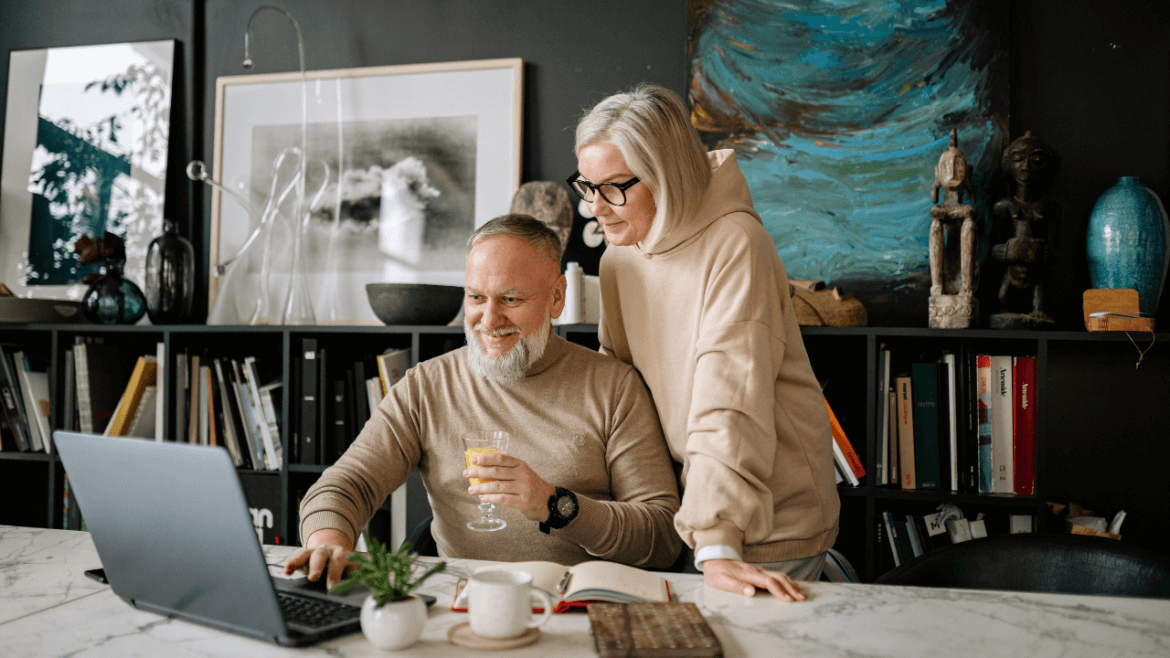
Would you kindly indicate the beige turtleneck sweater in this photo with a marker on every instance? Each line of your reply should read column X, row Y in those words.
column 581, row 420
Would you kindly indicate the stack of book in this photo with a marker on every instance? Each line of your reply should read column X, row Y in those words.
column 959, row 422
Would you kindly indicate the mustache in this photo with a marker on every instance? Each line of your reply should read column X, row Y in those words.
column 496, row 333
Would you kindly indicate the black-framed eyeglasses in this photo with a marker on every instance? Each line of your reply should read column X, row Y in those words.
column 613, row 193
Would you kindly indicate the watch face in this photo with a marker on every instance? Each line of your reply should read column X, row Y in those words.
column 566, row 506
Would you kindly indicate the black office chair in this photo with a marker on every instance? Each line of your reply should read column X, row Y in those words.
column 1032, row 562
column 421, row 540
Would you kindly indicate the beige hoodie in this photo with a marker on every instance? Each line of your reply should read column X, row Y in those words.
column 704, row 313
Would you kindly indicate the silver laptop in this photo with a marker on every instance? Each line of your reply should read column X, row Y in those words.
column 175, row 537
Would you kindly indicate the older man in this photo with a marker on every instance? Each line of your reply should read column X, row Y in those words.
column 586, row 475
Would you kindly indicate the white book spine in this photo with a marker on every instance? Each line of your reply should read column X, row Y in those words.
column 1002, row 456
column 271, row 452
column 160, row 425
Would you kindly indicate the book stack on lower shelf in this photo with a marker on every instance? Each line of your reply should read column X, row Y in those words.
column 957, row 421
column 907, row 535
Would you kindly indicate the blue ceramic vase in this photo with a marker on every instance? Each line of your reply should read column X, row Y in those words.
column 1128, row 242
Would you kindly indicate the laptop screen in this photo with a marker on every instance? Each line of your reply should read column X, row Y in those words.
column 172, row 529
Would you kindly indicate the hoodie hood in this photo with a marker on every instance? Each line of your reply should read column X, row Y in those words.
column 727, row 193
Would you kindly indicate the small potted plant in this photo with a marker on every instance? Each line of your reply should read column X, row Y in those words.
column 391, row 617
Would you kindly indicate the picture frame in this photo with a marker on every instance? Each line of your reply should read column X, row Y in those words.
column 427, row 153
column 85, row 151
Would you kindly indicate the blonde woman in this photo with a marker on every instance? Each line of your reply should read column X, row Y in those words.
column 695, row 297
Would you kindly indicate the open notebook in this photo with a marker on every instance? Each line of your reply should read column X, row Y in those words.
column 585, row 583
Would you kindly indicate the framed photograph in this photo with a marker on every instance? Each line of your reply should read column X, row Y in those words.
column 85, row 152
column 403, row 163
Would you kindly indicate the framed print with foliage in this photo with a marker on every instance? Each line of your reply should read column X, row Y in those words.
column 403, row 163
column 85, row 152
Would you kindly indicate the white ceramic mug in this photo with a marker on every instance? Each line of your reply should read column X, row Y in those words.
column 499, row 604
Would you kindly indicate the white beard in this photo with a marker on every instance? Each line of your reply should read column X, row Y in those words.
column 513, row 364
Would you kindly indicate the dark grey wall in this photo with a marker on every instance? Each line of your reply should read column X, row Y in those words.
column 1091, row 78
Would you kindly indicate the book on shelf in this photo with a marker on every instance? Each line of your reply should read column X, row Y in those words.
column 959, row 530
column 265, row 420
column 228, row 415
column 978, row 528
column 101, row 373
column 307, row 451
column 10, row 396
column 361, row 401
column 1019, row 523
column 986, row 467
column 162, row 382
column 843, row 450
column 1024, row 424
column 339, row 437
column 933, row 529
column 323, row 408
column 205, row 401
column 142, row 425
column 193, row 398
column 144, row 374
column 916, row 545
column 906, row 463
column 892, row 467
column 927, row 474
column 968, row 458
column 1002, row 428
column 374, row 393
column 182, row 393
column 69, row 394
column 34, row 390
column 252, row 440
column 392, row 366
column 949, row 419
column 892, row 535
column 881, row 460
column 581, row 584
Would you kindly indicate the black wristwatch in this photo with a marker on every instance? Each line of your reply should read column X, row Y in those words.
column 562, row 508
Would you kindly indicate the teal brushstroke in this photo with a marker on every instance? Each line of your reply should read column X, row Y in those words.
column 848, row 107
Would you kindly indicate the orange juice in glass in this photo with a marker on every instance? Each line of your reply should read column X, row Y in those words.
column 481, row 443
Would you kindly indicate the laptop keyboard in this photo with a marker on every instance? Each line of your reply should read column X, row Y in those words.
column 315, row 613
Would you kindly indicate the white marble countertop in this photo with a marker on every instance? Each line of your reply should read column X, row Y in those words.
column 48, row 608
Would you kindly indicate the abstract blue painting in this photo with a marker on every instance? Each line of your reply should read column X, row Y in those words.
column 838, row 111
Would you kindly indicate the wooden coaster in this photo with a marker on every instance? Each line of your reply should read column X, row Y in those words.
column 462, row 635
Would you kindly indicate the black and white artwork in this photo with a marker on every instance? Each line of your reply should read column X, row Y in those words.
column 85, row 152
column 403, row 163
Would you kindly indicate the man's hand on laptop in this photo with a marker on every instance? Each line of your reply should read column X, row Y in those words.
column 514, row 484
column 326, row 554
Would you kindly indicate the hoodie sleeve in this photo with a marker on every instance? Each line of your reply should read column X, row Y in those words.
column 732, row 423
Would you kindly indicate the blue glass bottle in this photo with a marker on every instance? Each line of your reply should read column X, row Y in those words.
column 112, row 298
column 1128, row 242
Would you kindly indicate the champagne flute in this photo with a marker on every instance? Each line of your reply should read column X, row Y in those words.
column 481, row 443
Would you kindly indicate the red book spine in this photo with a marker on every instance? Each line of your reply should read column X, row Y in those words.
column 1024, row 424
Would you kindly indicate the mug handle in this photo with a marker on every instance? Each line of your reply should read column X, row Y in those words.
column 548, row 607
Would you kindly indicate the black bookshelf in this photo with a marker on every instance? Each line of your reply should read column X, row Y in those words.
column 1101, row 422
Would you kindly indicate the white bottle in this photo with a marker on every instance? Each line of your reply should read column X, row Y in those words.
column 574, row 295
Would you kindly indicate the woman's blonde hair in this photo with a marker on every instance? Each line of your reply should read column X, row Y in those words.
column 651, row 128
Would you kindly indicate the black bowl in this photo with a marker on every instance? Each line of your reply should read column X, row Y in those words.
column 414, row 303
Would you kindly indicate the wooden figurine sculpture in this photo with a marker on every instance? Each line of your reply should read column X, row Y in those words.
column 954, row 271
column 1031, row 226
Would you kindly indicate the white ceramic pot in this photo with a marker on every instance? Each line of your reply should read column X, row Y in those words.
column 396, row 625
